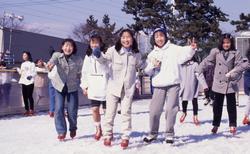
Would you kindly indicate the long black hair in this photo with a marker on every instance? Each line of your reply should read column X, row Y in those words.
column 72, row 42
column 134, row 47
column 102, row 45
column 28, row 54
column 226, row 36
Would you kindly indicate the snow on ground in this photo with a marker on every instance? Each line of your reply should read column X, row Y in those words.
column 37, row 135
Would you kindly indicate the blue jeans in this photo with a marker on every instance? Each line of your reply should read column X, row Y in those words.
column 72, row 109
column 52, row 97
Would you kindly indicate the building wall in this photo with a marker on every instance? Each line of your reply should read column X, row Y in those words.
column 39, row 45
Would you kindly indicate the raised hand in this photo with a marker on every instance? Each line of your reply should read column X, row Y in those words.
column 96, row 52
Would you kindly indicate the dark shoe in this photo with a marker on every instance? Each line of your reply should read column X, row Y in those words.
column 98, row 133
column 183, row 117
column 169, row 140
column 124, row 143
column 150, row 138
column 196, row 121
column 233, row 130
column 61, row 137
column 214, row 130
column 207, row 102
column 31, row 112
column 26, row 113
column 237, row 103
column 119, row 111
column 107, row 142
column 51, row 114
column 72, row 134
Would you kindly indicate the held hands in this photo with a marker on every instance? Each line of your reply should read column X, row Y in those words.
column 96, row 52
column 50, row 66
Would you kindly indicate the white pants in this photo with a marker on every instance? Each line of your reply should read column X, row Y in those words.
column 111, row 109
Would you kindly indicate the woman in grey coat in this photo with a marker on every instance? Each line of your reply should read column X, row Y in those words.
column 224, row 58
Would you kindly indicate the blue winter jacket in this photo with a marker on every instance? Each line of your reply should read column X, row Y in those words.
column 247, row 82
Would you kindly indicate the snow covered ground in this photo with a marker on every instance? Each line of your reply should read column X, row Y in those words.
column 36, row 134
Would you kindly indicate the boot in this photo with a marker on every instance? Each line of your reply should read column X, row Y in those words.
column 98, row 133
column 26, row 113
column 233, row 130
column 61, row 137
column 207, row 101
column 51, row 114
column 196, row 121
column 246, row 121
column 183, row 117
column 107, row 142
column 169, row 140
column 124, row 143
column 214, row 130
column 31, row 112
column 150, row 138
column 72, row 134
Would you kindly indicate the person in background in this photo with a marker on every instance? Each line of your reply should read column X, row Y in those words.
column 5, row 84
column 27, row 74
column 66, row 82
column 209, row 74
column 40, row 79
column 52, row 91
column 94, row 81
column 190, row 88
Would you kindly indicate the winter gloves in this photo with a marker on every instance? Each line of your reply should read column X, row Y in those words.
column 97, row 52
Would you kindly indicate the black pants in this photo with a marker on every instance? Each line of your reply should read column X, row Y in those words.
column 27, row 96
column 209, row 94
column 195, row 106
column 218, row 107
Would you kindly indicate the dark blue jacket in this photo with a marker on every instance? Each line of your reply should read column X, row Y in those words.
column 247, row 82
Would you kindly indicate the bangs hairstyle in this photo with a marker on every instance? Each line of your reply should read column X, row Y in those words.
column 72, row 42
column 28, row 54
column 153, row 37
column 134, row 47
column 227, row 36
column 102, row 45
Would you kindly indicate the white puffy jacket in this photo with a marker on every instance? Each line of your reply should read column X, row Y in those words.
column 94, row 78
column 172, row 58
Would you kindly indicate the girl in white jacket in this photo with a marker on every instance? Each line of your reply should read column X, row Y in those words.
column 27, row 72
column 166, row 83
column 94, row 81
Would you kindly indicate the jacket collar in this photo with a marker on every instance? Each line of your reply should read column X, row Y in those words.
column 230, row 56
column 164, row 47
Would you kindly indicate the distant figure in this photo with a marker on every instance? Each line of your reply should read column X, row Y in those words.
column 190, row 88
column 40, row 79
column 28, row 73
column 52, row 91
column 5, row 84
column 209, row 75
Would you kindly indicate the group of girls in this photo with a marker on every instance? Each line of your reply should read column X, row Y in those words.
column 108, row 77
